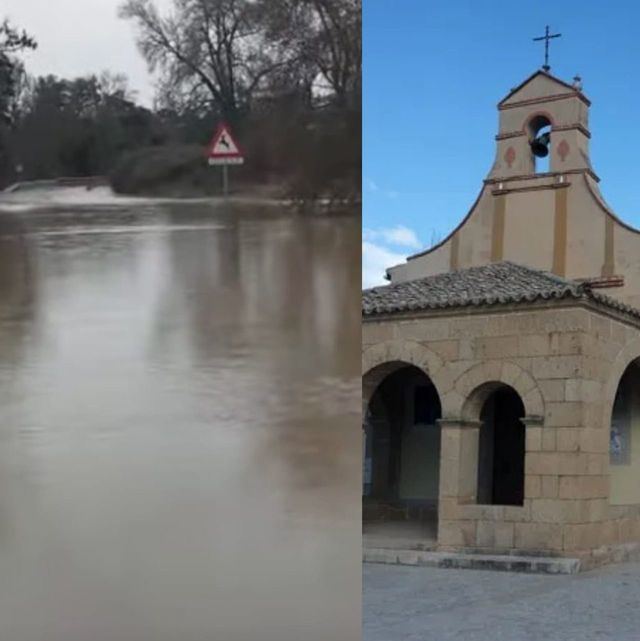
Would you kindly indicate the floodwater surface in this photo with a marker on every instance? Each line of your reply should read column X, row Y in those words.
column 179, row 425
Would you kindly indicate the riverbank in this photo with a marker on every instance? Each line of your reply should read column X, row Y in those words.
column 57, row 195
column 181, row 171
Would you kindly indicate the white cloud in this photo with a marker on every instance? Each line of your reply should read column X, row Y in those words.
column 381, row 249
column 375, row 260
column 398, row 236
column 374, row 187
column 402, row 236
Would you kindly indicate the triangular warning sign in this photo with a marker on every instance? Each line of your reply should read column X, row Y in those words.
column 223, row 144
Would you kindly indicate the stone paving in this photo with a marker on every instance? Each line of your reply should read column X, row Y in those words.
column 408, row 535
column 427, row 604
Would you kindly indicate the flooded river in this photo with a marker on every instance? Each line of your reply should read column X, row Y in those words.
column 179, row 425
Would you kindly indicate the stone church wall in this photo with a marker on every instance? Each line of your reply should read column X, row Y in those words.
column 565, row 362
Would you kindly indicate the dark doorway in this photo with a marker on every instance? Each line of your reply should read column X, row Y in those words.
column 502, row 449
column 624, row 433
column 402, row 449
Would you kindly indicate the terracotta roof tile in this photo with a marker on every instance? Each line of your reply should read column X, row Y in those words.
column 496, row 284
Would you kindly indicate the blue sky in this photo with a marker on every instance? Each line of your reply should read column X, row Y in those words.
column 433, row 72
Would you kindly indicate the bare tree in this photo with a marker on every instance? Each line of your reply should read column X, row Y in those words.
column 12, row 87
column 338, row 47
column 326, row 38
column 12, row 41
column 206, row 47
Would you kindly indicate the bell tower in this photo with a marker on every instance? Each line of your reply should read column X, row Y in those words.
column 554, row 218
column 542, row 116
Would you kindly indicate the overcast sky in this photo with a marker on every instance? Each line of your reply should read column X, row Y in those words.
column 78, row 37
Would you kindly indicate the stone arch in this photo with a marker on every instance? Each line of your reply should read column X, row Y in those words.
column 501, row 452
column 627, row 355
column 478, row 382
column 401, row 409
column 381, row 359
column 534, row 119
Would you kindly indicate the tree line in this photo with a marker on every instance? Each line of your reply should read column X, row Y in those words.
column 284, row 73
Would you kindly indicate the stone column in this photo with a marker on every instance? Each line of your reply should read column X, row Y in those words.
column 533, row 426
column 459, row 460
column 458, row 482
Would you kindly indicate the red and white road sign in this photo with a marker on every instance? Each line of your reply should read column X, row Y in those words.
column 223, row 148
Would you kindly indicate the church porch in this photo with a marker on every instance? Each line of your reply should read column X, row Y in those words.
column 526, row 385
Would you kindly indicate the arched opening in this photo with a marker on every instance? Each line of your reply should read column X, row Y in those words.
column 540, row 141
column 501, row 448
column 402, row 455
column 624, row 439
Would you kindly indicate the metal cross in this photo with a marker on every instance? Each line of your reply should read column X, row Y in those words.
column 546, row 39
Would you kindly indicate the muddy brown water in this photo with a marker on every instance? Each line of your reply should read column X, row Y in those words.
column 179, row 425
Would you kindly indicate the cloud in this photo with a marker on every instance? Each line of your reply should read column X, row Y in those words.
column 399, row 236
column 375, row 260
column 382, row 248
column 374, row 187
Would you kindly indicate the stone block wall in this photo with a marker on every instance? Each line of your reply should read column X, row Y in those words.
column 564, row 361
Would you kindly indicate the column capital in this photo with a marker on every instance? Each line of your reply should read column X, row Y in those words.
column 533, row 420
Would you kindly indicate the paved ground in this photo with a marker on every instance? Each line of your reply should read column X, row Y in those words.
column 400, row 534
column 426, row 604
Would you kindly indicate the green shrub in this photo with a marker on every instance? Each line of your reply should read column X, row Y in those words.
column 177, row 170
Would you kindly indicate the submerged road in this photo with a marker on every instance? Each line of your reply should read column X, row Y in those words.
column 178, row 398
column 427, row 604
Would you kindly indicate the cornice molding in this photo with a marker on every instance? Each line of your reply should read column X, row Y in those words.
column 543, row 99
column 549, row 174
column 516, row 134
column 581, row 128
column 513, row 190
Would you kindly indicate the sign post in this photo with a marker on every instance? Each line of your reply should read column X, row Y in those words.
column 224, row 150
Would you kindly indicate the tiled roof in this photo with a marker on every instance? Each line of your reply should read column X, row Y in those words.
column 497, row 284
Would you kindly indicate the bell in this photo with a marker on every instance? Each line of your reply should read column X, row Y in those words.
column 540, row 145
